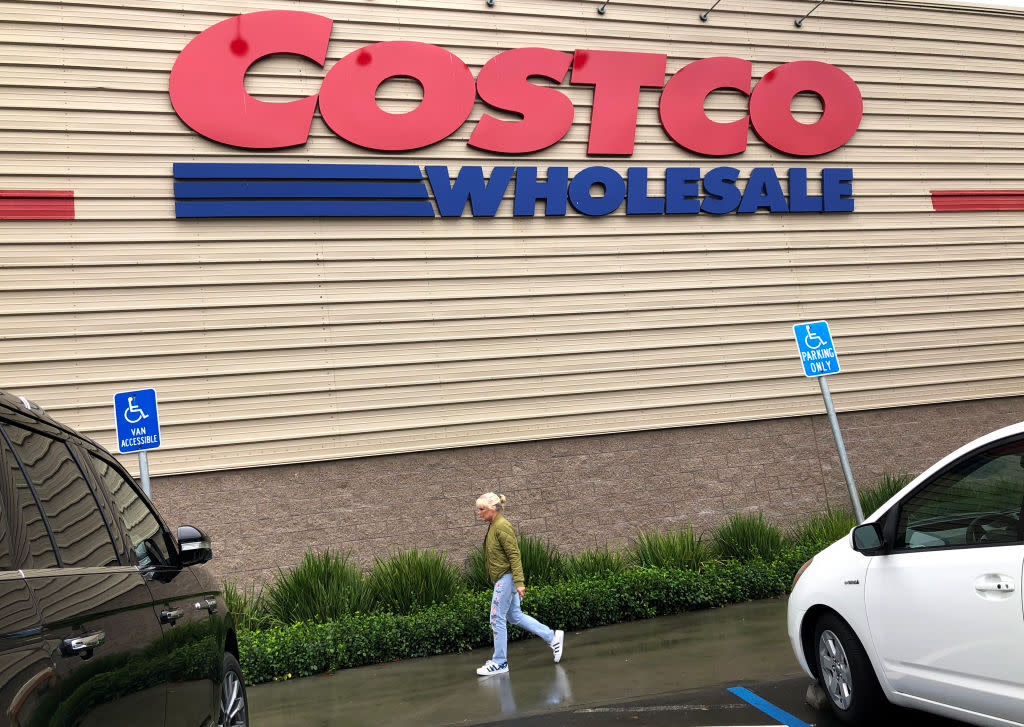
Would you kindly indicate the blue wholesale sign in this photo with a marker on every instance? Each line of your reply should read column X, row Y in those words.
column 406, row 190
column 817, row 353
column 138, row 426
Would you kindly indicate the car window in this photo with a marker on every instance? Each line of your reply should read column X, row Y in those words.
column 69, row 504
column 40, row 551
column 7, row 534
column 978, row 501
column 6, row 558
column 142, row 526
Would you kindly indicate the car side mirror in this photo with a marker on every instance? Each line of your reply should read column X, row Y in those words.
column 867, row 539
column 194, row 546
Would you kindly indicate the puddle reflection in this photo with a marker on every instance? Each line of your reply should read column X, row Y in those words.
column 557, row 691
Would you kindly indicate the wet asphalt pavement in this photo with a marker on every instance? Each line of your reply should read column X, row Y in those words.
column 713, row 707
column 673, row 670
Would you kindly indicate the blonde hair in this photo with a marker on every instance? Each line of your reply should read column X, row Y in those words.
column 489, row 499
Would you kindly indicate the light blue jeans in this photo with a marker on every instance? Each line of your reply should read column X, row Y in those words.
column 505, row 610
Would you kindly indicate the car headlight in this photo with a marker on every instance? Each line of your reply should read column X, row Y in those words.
column 800, row 572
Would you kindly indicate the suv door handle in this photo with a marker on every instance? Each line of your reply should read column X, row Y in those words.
column 169, row 617
column 210, row 604
column 82, row 645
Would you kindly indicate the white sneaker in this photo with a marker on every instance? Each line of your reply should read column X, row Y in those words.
column 492, row 667
column 556, row 644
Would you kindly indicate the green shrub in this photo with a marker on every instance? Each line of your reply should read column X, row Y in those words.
column 675, row 549
column 824, row 528
column 542, row 563
column 246, row 604
column 322, row 587
column 474, row 571
column 593, row 563
column 460, row 624
column 874, row 497
column 746, row 537
column 357, row 639
column 412, row 580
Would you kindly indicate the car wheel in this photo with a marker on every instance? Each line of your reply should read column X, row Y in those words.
column 845, row 672
column 234, row 706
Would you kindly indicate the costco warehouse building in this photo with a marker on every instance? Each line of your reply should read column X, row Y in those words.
column 377, row 257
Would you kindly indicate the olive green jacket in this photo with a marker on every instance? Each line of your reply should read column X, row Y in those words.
column 501, row 552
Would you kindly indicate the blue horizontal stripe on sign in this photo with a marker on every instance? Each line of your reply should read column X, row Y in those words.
column 305, row 190
column 302, row 208
column 190, row 170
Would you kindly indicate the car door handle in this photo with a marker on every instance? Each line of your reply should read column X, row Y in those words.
column 210, row 604
column 82, row 645
column 994, row 583
column 172, row 615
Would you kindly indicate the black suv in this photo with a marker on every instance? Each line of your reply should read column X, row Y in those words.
column 105, row 618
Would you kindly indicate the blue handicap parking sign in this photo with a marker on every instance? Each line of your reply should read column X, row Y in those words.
column 138, row 426
column 817, row 354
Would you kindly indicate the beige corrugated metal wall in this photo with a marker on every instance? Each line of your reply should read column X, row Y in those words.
column 289, row 340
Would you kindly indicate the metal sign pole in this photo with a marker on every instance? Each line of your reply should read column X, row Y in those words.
column 854, row 498
column 819, row 358
column 144, row 472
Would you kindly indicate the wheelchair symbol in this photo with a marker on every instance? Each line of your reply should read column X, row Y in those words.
column 133, row 414
column 812, row 340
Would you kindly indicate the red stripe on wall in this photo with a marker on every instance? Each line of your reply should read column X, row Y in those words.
column 32, row 204
column 976, row 200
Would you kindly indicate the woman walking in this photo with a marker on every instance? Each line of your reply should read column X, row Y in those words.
column 505, row 570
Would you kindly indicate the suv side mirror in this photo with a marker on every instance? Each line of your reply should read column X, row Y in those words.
column 194, row 546
column 867, row 539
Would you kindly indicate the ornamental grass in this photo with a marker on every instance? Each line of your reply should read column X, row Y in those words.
column 412, row 580
column 322, row 587
column 745, row 537
column 680, row 548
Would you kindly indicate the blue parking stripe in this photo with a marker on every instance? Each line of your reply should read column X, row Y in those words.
column 767, row 707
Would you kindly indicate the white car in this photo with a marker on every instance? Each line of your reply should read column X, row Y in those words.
column 920, row 605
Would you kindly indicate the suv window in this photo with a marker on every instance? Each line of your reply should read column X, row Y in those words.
column 72, row 512
column 139, row 523
column 977, row 501
column 6, row 560
column 25, row 511
column 8, row 509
